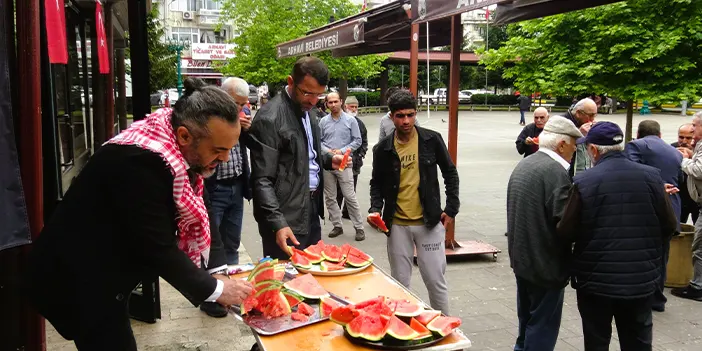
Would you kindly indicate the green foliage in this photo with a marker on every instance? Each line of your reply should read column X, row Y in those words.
column 163, row 73
column 373, row 98
column 267, row 23
column 479, row 99
column 645, row 49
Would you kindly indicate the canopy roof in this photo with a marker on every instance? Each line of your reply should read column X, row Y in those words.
column 521, row 10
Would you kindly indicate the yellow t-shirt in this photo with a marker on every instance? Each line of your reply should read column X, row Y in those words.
column 409, row 206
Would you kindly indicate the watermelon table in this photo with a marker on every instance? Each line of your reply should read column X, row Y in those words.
column 327, row 336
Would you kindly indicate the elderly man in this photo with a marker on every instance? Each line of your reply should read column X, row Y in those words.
column 351, row 108
column 527, row 141
column 618, row 214
column 287, row 160
column 688, row 207
column 536, row 196
column 692, row 166
column 339, row 133
column 650, row 149
column 87, row 260
column 583, row 116
column 387, row 126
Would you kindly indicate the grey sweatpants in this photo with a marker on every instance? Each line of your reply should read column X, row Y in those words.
column 696, row 281
column 431, row 258
column 345, row 179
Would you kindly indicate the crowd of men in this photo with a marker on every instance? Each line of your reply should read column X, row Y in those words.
column 196, row 163
column 587, row 208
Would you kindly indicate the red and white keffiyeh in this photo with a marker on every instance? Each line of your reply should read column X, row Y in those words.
column 155, row 133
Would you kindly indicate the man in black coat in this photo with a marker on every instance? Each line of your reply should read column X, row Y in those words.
column 286, row 162
column 526, row 145
column 524, row 107
column 689, row 207
column 126, row 216
column 618, row 214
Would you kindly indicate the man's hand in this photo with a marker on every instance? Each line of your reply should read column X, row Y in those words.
column 585, row 128
column 336, row 161
column 446, row 220
column 245, row 121
column 687, row 153
column 282, row 236
column 235, row 292
column 336, row 152
column 529, row 141
column 671, row 189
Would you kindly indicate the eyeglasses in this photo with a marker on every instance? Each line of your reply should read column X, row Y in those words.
column 308, row 94
column 403, row 115
column 589, row 114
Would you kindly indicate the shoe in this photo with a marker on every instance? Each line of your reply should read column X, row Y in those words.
column 658, row 308
column 360, row 235
column 688, row 292
column 214, row 309
column 336, row 232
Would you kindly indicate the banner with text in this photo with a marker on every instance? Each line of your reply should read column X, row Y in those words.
column 429, row 10
column 340, row 36
column 216, row 52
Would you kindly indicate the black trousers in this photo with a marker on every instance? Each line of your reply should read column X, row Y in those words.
column 659, row 298
column 686, row 211
column 340, row 196
column 271, row 248
column 633, row 317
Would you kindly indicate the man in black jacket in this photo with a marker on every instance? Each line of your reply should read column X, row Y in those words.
column 133, row 211
column 286, row 162
column 689, row 207
column 618, row 214
column 526, row 145
column 405, row 187
column 524, row 107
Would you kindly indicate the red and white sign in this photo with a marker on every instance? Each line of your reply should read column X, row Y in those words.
column 217, row 52
column 103, row 53
column 55, row 17
column 190, row 63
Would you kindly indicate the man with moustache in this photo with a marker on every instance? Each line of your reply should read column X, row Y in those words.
column 583, row 116
column 287, row 162
column 351, row 107
column 688, row 207
column 136, row 209
column 525, row 141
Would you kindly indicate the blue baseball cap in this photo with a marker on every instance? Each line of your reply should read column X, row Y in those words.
column 603, row 133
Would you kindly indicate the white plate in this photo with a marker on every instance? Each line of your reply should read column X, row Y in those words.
column 316, row 270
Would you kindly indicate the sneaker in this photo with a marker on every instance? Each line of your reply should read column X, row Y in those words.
column 213, row 309
column 360, row 235
column 688, row 292
column 336, row 232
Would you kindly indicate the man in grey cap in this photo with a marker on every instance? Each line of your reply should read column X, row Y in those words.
column 536, row 197
column 351, row 108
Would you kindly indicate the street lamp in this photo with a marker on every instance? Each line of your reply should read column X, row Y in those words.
column 178, row 45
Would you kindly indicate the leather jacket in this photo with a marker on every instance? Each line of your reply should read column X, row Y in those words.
column 280, row 166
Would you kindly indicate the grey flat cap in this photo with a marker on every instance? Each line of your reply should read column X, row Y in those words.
column 563, row 126
column 351, row 100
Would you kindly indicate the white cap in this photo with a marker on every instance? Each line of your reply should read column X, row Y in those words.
column 563, row 126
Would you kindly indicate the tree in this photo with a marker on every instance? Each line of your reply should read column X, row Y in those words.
column 639, row 49
column 162, row 74
column 263, row 24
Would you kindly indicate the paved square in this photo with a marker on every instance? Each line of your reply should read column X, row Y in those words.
column 482, row 292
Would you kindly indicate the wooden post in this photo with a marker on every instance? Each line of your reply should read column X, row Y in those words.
column 454, row 77
column 121, row 103
column 414, row 60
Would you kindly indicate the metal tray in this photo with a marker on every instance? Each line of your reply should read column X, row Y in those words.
column 380, row 346
column 273, row 326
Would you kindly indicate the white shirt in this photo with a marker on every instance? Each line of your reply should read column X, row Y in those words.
column 556, row 157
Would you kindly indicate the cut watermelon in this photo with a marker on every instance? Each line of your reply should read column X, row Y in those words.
column 266, row 273
column 375, row 306
column 279, row 272
column 267, row 283
column 259, row 267
column 329, row 266
column 427, row 316
column 313, row 258
column 420, row 328
column 316, row 248
column 332, row 253
column 345, row 160
column 293, row 298
column 358, row 258
column 307, row 286
column 377, row 222
column 400, row 330
column 343, row 315
column 300, row 261
column 371, row 327
column 272, row 304
column 249, row 304
column 327, row 305
column 299, row 317
column 443, row 326
column 305, row 309
column 404, row 308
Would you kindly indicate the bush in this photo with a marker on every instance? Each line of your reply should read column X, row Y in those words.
column 373, row 98
column 479, row 99
column 564, row 101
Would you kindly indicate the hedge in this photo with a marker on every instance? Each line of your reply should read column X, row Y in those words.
column 479, row 99
column 373, row 98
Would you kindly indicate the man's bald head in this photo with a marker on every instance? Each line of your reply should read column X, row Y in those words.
column 585, row 110
column 540, row 117
column 333, row 101
column 686, row 133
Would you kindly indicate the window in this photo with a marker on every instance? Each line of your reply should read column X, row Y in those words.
column 184, row 5
column 209, row 36
column 184, row 33
column 212, row 5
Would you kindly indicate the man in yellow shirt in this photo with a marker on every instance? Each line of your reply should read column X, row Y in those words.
column 405, row 187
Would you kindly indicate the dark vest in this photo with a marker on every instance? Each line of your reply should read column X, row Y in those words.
column 618, row 248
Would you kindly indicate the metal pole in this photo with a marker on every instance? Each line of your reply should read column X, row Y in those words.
column 454, row 77
column 429, row 76
column 487, row 47
column 403, row 76
column 414, row 60
column 180, row 80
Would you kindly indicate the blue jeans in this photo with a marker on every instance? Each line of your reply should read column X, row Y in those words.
column 539, row 311
column 521, row 118
column 228, row 209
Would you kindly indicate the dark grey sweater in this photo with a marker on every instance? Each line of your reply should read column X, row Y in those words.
column 536, row 196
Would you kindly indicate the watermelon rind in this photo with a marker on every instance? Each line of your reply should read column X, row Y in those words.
column 332, row 253
column 405, row 308
column 300, row 261
column 293, row 298
column 267, row 283
column 266, row 273
column 329, row 266
column 371, row 327
column 313, row 258
column 443, row 325
column 260, row 266
column 423, row 332
column 400, row 330
column 358, row 258
column 427, row 316
column 307, row 286
column 327, row 305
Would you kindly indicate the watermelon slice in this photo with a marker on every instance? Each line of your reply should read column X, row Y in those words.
column 249, row 304
column 263, row 274
column 267, row 283
column 300, row 261
column 299, row 317
column 371, row 327
column 293, row 298
column 327, row 305
column 427, row 316
column 332, row 253
column 535, row 140
column 328, row 266
column 307, row 286
column 272, row 304
column 305, row 309
column 377, row 222
column 316, row 248
column 400, row 330
column 421, row 329
column 279, row 272
column 312, row 257
column 375, row 306
column 259, row 267
column 443, row 325
column 358, row 258
column 345, row 160
column 343, row 315
column 405, row 308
